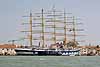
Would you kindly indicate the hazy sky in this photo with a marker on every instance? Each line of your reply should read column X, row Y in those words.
column 11, row 12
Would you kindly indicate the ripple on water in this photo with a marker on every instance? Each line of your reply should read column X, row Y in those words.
column 49, row 61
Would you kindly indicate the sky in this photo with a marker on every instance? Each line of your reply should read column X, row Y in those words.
column 11, row 12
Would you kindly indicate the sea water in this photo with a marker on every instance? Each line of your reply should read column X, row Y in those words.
column 49, row 61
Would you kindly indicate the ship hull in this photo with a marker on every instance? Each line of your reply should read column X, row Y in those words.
column 47, row 52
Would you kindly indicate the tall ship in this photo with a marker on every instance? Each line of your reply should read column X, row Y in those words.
column 51, row 32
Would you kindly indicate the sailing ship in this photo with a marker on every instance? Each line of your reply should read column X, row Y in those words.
column 51, row 27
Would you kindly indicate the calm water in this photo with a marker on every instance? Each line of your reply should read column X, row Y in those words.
column 49, row 61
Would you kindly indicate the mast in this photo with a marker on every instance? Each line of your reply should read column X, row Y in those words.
column 74, row 30
column 58, row 20
column 30, row 29
column 43, row 30
column 54, row 26
column 65, row 39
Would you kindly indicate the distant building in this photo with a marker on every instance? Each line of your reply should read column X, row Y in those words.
column 89, row 50
column 9, row 46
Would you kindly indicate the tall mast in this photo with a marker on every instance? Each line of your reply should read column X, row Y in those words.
column 43, row 30
column 74, row 29
column 54, row 25
column 30, row 29
column 65, row 39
